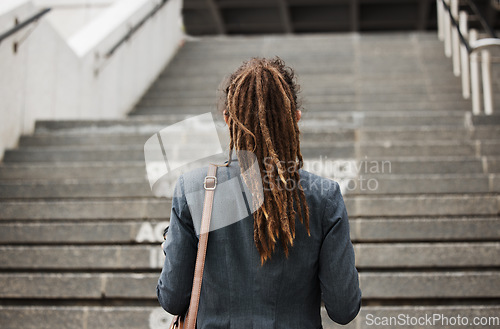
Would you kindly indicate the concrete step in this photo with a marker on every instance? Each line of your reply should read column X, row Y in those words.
column 329, row 63
column 428, row 229
column 357, row 206
column 357, row 184
column 323, row 58
column 308, row 134
column 340, row 150
column 428, row 285
column 375, row 285
column 135, row 124
column 438, row 71
column 422, row 184
column 413, row 165
column 154, row 317
column 433, row 256
column 425, row 133
column 117, row 170
column 429, row 234
column 363, row 230
column 328, row 93
column 439, row 316
column 91, row 286
column 328, row 88
column 325, row 65
column 159, row 99
column 324, row 95
column 82, row 317
column 112, row 170
column 137, row 209
column 305, row 62
column 146, row 124
column 313, row 82
column 489, row 120
column 81, row 232
column 401, row 107
column 423, row 205
column 132, row 258
column 72, row 188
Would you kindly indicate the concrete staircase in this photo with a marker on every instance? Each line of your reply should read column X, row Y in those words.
column 79, row 227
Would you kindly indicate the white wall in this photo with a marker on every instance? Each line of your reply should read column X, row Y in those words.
column 68, row 16
column 53, row 78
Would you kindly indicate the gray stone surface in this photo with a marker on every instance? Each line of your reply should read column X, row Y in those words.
column 75, row 205
column 419, row 184
column 375, row 285
column 133, row 317
column 136, row 285
column 50, row 285
column 423, row 205
column 429, row 133
column 362, row 230
column 79, row 258
column 493, row 164
column 74, row 139
column 396, row 317
column 375, row 256
column 486, row 119
column 137, row 123
column 386, row 117
column 374, row 206
column 79, row 232
column 309, row 134
column 71, row 170
column 425, row 229
column 28, row 171
column 86, row 209
column 39, row 317
column 369, row 256
column 402, row 149
column 438, row 165
column 310, row 149
column 430, row 285
column 90, row 188
column 490, row 148
column 362, row 184
column 150, row 110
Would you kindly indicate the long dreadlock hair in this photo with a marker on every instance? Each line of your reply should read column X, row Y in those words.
column 260, row 100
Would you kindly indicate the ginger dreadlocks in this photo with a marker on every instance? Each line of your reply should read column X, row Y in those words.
column 261, row 104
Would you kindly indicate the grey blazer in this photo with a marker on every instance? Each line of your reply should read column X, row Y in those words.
column 237, row 292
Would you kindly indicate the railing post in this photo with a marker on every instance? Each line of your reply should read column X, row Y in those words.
column 474, row 76
column 486, row 74
column 464, row 55
column 447, row 32
column 455, row 42
column 440, row 14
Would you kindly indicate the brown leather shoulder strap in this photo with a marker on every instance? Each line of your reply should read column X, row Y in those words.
column 209, row 184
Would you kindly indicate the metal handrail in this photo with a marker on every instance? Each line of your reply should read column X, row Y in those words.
column 23, row 24
column 462, row 45
column 478, row 44
column 134, row 29
column 481, row 19
column 484, row 43
column 457, row 27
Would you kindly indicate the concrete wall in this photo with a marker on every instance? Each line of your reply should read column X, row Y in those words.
column 53, row 78
column 68, row 16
